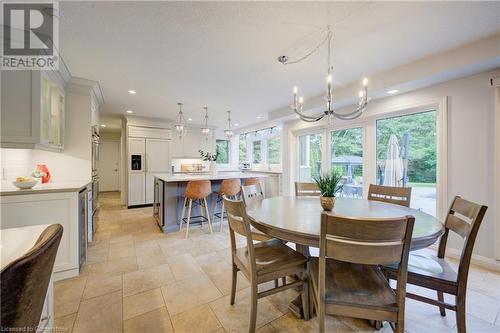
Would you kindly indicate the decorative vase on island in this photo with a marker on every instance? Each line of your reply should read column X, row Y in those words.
column 327, row 202
column 213, row 168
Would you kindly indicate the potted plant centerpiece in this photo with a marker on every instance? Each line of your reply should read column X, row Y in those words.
column 212, row 158
column 329, row 185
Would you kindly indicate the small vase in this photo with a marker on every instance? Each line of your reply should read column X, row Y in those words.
column 213, row 169
column 327, row 202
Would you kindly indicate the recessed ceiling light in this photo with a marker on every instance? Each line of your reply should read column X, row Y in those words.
column 190, row 119
column 103, row 125
column 258, row 117
column 393, row 91
column 236, row 124
column 132, row 92
column 129, row 111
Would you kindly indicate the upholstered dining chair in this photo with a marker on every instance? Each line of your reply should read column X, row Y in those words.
column 25, row 281
column 430, row 270
column 306, row 189
column 390, row 194
column 346, row 279
column 262, row 262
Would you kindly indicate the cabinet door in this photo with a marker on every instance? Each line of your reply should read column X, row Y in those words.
column 136, row 191
column 157, row 155
column 52, row 113
column 150, row 188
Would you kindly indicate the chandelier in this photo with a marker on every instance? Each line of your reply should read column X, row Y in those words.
column 298, row 102
column 180, row 123
column 228, row 132
column 205, row 129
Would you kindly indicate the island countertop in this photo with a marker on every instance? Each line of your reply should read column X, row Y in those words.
column 174, row 178
column 7, row 188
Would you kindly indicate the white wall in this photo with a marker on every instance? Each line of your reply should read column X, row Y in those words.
column 470, row 143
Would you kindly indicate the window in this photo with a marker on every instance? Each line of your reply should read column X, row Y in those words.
column 406, row 156
column 347, row 160
column 242, row 155
column 274, row 151
column 257, row 151
column 222, row 149
column 309, row 157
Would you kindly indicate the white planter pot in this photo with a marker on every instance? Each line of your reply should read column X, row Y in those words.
column 213, row 169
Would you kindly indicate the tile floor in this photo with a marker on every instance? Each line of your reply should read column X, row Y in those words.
column 138, row 279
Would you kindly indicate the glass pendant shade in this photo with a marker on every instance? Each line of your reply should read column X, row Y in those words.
column 205, row 129
column 180, row 122
column 228, row 132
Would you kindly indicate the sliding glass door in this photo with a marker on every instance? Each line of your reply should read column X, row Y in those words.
column 347, row 160
column 309, row 157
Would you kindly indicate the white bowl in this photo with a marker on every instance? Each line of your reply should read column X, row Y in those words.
column 25, row 185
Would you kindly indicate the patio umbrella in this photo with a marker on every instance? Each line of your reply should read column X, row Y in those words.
column 393, row 172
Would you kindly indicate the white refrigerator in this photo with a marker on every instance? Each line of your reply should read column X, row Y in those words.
column 145, row 158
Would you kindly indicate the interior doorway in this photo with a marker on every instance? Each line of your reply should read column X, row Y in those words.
column 109, row 166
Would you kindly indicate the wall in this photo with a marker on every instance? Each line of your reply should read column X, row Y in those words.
column 470, row 144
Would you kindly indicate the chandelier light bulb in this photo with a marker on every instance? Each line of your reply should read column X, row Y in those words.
column 361, row 94
column 365, row 82
column 329, row 78
column 295, row 90
column 301, row 99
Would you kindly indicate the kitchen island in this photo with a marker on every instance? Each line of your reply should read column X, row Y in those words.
column 169, row 194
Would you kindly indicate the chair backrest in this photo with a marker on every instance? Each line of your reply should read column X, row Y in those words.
column 251, row 181
column 24, row 282
column 198, row 189
column 307, row 189
column 391, row 194
column 252, row 194
column 464, row 218
column 230, row 187
column 239, row 223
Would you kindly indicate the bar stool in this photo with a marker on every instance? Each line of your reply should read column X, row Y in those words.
column 197, row 191
column 229, row 188
column 251, row 181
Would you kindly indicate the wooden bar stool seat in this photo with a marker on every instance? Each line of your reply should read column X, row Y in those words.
column 197, row 191
column 229, row 188
column 251, row 181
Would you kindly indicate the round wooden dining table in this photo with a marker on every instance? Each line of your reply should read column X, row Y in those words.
column 298, row 220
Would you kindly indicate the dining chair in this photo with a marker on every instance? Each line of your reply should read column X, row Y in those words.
column 197, row 191
column 229, row 188
column 346, row 280
column 252, row 194
column 430, row 270
column 262, row 262
column 390, row 194
column 25, row 281
column 306, row 189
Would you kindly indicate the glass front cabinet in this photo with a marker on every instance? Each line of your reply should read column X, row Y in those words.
column 52, row 113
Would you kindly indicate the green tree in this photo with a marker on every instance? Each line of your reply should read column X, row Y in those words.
column 222, row 149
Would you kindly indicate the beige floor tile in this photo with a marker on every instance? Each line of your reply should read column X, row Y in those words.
column 221, row 275
column 198, row 320
column 235, row 318
column 146, row 279
column 210, row 258
column 97, row 286
column 186, row 294
column 266, row 329
column 482, row 306
column 150, row 256
column 65, row 324
column 184, row 267
column 115, row 266
column 141, row 303
column 67, row 296
column 100, row 314
column 156, row 321
column 121, row 249
column 97, row 253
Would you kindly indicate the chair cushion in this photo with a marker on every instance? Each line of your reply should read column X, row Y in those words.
column 271, row 256
column 424, row 265
column 354, row 285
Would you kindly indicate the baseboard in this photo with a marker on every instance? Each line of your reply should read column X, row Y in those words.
column 477, row 260
column 62, row 275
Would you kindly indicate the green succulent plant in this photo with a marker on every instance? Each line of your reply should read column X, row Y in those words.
column 329, row 184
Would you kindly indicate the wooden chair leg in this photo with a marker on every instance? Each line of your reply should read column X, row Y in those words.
column 189, row 217
column 305, row 299
column 441, row 299
column 460, row 315
column 182, row 215
column 208, row 215
column 253, row 310
column 233, row 284
column 221, row 215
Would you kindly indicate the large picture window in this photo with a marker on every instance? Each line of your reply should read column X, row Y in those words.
column 257, row 152
column 407, row 156
column 347, row 160
column 274, row 151
column 242, row 148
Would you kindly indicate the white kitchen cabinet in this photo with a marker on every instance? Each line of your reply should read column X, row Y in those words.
column 272, row 184
column 191, row 142
column 33, row 110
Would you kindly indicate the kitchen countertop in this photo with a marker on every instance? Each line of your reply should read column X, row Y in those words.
column 15, row 242
column 265, row 171
column 172, row 178
column 7, row 188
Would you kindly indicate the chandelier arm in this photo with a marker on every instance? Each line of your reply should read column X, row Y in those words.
column 350, row 114
column 308, row 118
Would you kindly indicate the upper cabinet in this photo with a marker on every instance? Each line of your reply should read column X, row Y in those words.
column 190, row 143
column 33, row 110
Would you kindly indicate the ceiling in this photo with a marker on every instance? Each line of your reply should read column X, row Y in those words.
column 223, row 54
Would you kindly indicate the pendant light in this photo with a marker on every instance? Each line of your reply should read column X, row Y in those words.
column 228, row 132
column 205, row 129
column 180, row 123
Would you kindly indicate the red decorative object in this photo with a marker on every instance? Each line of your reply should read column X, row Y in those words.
column 45, row 171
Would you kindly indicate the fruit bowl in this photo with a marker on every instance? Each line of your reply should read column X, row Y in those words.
column 25, row 185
